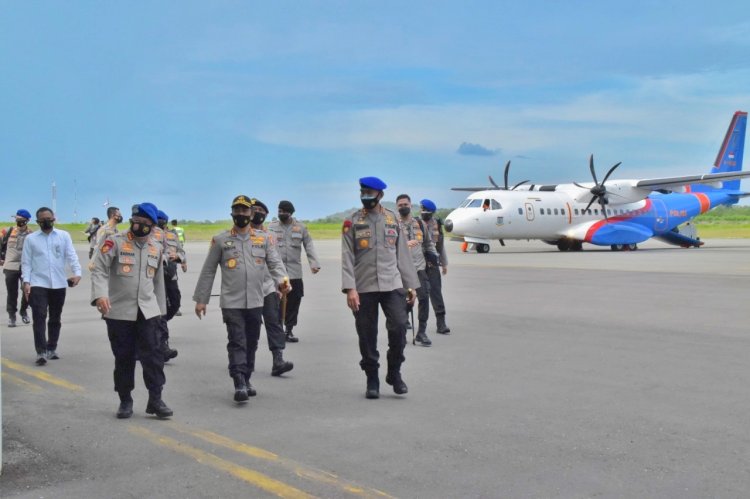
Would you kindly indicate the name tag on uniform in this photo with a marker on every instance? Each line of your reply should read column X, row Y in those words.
column 362, row 231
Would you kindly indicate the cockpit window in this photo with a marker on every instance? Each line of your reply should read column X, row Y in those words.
column 465, row 203
column 475, row 203
column 495, row 205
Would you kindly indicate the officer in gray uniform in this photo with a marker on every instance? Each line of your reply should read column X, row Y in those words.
column 271, row 304
column 291, row 235
column 376, row 267
column 127, row 287
column 422, row 249
column 10, row 258
column 173, row 254
column 435, row 227
column 244, row 254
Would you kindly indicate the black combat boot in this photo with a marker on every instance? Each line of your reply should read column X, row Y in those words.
column 290, row 338
column 393, row 378
column 422, row 338
column 240, row 388
column 126, row 406
column 280, row 366
column 12, row 320
column 157, row 406
column 373, row 385
column 250, row 390
column 167, row 352
column 442, row 327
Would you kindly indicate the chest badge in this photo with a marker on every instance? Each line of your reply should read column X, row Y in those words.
column 364, row 243
column 231, row 263
column 126, row 269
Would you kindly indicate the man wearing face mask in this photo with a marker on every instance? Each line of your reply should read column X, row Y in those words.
column 271, row 303
column 43, row 260
column 244, row 254
column 127, row 287
column 376, row 267
column 114, row 217
column 291, row 235
column 435, row 228
column 422, row 249
column 10, row 258
column 173, row 253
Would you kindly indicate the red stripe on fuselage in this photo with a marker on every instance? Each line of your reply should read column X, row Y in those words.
column 622, row 218
column 703, row 200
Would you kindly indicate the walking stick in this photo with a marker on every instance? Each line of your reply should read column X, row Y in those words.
column 283, row 303
column 413, row 326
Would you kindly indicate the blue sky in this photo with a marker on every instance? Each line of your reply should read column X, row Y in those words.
column 187, row 104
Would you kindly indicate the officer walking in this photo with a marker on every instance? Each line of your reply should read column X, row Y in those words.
column 114, row 217
column 10, row 258
column 91, row 234
column 422, row 250
column 244, row 254
column 291, row 235
column 375, row 268
column 127, row 287
column 173, row 254
column 271, row 304
column 435, row 228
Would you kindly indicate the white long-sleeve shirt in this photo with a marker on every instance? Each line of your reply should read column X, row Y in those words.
column 45, row 256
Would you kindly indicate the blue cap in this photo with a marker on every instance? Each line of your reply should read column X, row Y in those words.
column 372, row 183
column 24, row 213
column 161, row 215
column 147, row 210
column 428, row 205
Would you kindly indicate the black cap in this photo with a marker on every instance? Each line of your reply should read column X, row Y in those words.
column 287, row 206
column 259, row 203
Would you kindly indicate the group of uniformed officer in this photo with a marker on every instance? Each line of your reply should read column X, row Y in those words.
column 11, row 248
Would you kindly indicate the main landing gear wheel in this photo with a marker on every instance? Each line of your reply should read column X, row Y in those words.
column 624, row 247
column 483, row 248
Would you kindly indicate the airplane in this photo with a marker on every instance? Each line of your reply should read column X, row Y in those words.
column 624, row 213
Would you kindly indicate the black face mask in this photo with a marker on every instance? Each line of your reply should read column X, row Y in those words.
column 285, row 217
column 241, row 221
column 426, row 216
column 404, row 210
column 162, row 224
column 258, row 218
column 21, row 223
column 369, row 202
column 140, row 229
column 118, row 219
column 45, row 224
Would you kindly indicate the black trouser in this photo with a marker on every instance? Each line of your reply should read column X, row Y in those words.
column 174, row 298
column 40, row 299
column 366, row 322
column 272, row 320
column 436, row 289
column 293, row 300
column 243, row 331
column 423, row 295
column 139, row 337
column 13, row 284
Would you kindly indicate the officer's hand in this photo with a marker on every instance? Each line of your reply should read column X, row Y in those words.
column 74, row 281
column 200, row 309
column 445, row 269
column 411, row 297
column 315, row 270
column 26, row 290
column 412, row 243
column 2, row 262
column 172, row 258
column 103, row 305
column 352, row 300
column 184, row 267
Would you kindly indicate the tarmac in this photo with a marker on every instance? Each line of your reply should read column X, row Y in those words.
column 566, row 375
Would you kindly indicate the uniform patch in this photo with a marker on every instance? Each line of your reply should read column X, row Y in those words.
column 108, row 245
column 228, row 244
column 127, row 246
column 390, row 240
column 150, row 271
column 126, row 269
column 389, row 220
column 170, row 235
column 364, row 243
column 347, row 225
column 296, row 228
column 258, row 240
column 258, row 261
column 231, row 263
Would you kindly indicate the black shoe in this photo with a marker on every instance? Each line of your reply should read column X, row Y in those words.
column 169, row 354
column 290, row 338
column 12, row 321
column 240, row 389
column 394, row 379
column 40, row 359
column 421, row 337
column 126, row 409
column 159, row 408
column 373, row 386
column 52, row 355
column 251, row 390
column 25, row 318
column 280, row 366
column 442, row 327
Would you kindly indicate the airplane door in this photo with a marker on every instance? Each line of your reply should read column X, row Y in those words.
column 661, row 215
column 529, row 212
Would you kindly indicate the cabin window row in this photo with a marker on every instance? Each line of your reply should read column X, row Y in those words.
column 595, row 211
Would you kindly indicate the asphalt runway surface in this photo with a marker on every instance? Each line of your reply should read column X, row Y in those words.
column 588, row 374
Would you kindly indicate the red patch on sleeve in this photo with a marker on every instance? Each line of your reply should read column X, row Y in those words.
column 347, row 225
column 107, row 245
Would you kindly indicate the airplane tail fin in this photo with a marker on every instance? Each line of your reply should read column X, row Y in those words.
column 729, row 158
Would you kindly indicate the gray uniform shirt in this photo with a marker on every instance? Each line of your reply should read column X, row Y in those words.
column 130, row 274
column 14, row 250
column 374, row 256
column 289, row 240
column 434, row 230
column 411, row 228
column 244, row 259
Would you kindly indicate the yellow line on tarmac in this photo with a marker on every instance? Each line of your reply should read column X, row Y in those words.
column 248, row 475
column 41, row 375
column 22, row 382
column 300, row 470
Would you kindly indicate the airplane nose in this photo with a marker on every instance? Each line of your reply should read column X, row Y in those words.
column 449, row 225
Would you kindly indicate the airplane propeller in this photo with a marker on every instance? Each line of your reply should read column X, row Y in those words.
column 505, row 176
column 599, row 191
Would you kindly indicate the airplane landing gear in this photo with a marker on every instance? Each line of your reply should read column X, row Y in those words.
column 483, row 248
column 624, row 247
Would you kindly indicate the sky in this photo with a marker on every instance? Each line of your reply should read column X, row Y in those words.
column 186, row 104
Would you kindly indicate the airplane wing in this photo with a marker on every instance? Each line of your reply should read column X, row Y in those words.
column 605, row 233
column 475, row 189
column 671, row 183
